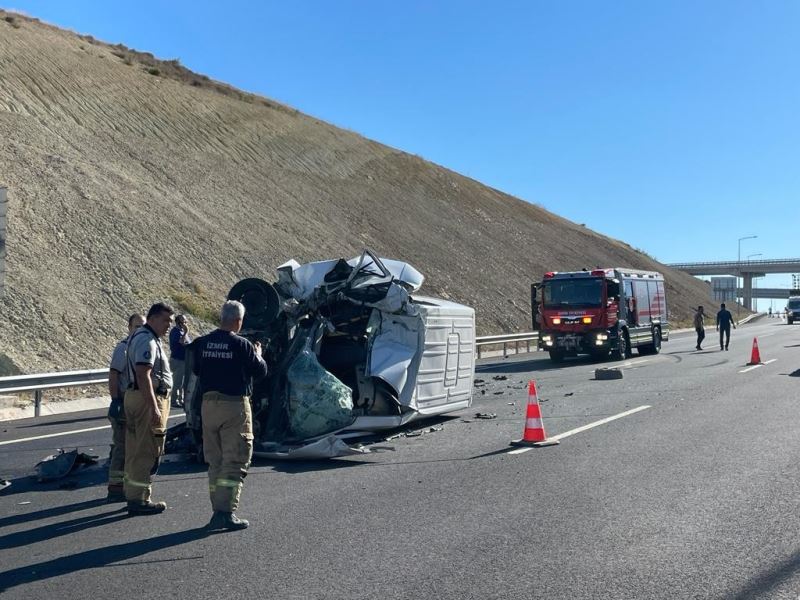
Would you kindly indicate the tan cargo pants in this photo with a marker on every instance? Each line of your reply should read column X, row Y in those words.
column 144, row 444
column 116, row 466
column 227, row 446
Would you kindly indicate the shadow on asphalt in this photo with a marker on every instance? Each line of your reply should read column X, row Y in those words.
column 795, row 373
column 95, row 475
column 100, row 557
column 56, row 530
column 535, row 365
column 47, row 513
column 762, row 585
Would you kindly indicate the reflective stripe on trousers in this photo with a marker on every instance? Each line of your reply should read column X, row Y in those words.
column 144, row 444
column 227, row 446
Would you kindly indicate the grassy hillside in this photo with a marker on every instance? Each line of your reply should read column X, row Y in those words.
column 133, row 180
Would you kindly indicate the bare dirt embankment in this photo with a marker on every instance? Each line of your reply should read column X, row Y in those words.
column 132, row 180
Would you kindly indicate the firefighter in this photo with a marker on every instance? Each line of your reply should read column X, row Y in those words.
column 226, row 365
column 146, row 409
column 117, row 384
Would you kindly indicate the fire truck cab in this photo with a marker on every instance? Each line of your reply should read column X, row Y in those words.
column 600, row 312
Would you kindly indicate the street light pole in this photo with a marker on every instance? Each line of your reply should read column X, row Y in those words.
column 739, row 268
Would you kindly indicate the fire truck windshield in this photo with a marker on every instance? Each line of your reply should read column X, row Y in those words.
column 577, row 293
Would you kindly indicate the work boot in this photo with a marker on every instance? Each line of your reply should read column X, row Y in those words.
column 146, row 508
column 226, row 520
column 115, row 494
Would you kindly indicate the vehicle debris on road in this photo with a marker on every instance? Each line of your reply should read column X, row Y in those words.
column 606, row 373
column 62, row 464
column 485, row 415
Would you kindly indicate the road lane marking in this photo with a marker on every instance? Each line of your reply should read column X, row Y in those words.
column 51, row 435
column 561, row 436
column 771, row 360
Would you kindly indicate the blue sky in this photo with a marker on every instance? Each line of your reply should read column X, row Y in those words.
column 673, row 126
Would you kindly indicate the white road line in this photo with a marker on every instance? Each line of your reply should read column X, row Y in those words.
column 520, row 450
column 771, row 360
column 751, row 368
column 51, row 435
column 586, row 427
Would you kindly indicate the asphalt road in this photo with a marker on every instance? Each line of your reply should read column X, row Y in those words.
column 693, row 496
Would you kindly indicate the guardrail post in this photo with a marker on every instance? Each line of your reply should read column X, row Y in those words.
column 37, row 403
column 505, row 349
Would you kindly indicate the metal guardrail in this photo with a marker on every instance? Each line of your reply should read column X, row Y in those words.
column 40, row 382
column 505, row 340
column 47, row 381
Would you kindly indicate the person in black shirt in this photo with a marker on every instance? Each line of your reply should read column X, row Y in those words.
column 724, row 322
column 225, row 365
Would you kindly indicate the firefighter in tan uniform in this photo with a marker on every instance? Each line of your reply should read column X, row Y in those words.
column 226, row 365
column 117, row 384
column 146, row 409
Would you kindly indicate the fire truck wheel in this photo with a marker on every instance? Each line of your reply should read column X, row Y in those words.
column 556, row 356
column 621, row 351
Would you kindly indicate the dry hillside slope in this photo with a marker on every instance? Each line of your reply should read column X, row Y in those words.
column 130, row 183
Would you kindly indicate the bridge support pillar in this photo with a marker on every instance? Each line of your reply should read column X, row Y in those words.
column 747, row 289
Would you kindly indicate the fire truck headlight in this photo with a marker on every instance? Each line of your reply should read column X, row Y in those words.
column 587, row 320
column 601, row 337
column 556, row 321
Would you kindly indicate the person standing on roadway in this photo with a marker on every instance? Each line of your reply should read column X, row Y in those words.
column 699, row 326
column 724, row 322
column 146, row 409
column 117, row 384
column 226, row 365
column 178, row 339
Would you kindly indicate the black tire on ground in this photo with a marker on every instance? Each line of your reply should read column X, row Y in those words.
column 556, row 356
column 789, row 320
column 621, row 351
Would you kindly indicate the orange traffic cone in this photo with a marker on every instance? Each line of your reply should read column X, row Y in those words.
column 533, row 434
column 755, row 355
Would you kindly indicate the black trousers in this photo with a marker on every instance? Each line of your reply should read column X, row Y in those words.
column 701, row 335
column 724, row 331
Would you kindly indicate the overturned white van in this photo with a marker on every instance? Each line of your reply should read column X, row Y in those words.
column 351, row 349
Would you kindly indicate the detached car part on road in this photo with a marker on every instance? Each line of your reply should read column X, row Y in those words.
column 349, row 351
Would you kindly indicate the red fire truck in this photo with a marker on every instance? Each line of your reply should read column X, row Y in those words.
column 600, row 312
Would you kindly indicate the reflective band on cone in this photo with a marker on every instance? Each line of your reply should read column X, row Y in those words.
column 534, row 434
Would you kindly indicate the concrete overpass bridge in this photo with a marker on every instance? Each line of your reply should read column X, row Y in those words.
column 747, row 270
